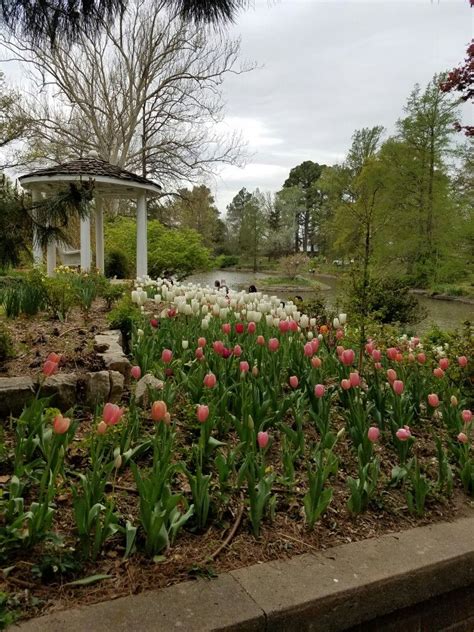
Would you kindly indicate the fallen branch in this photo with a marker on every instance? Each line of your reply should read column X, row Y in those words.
column 232, row 533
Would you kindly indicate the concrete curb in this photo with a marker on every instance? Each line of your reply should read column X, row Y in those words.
column 328, row 591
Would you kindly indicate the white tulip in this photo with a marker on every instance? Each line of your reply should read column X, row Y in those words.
column 185, row 344
column 204, row 309
column 304, row 321
column 342, row 318
column 188, row 310
column 140, row 332
column 312, row 322
column 335, row 323
column 310, row 335
column 204, row 323
column 320, row 337
column 269, row 319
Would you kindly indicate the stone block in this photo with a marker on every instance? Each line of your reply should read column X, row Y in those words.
column 15, row 392
column 97, row 388
column 62, row 390
column 146, row 383
column 117, row 381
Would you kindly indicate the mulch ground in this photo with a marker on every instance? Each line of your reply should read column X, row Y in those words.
column 34, row 338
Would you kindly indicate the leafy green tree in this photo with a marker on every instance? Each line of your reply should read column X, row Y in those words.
column 235, row 219
column 305, row 177
column 170, row 251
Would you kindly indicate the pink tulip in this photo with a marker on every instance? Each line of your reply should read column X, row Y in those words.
column 202, row 413
column 293, row 325
column 202, row 342
column 391, row 375
column 237, row 351
column 112, row 414
column 308, row 349
column 433, row 400
column 415, row 342
column 136, row 372
column 262, row 439
column 346, row 384
column 392, row 353
column 438, row 372
column 294, row 381
column 316, row 362
column 403, row 434
column 167, row 356
column 466, row 416
column 199, row 353
column 462, row 361
column 398, row 357
column 369, row 347
column 354, row 379
column 444, row 363
column 421, row 358
column 61, row 424
column 273, row 344
column 255, row 371
column 378, row 366
column 347, row 357
column 210, row 380
column 251, row 327
column 315, row 345
column 54, row 357
column 101, row 428
column 260, row 340
column 398, row 387
column 226, row 328
column 218, row 347
column 339, row 334
column 462, row 438
column 376, row 355
column 283, row 326
column 319, row 390
column 373, row 434
column 159, row 410
column 339, row 351
column 244, row 366
column 50, row 368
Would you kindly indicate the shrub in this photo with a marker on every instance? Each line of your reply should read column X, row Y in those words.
column 60, row 294
column 124, row 316
column 6, row 346
column 117, row 264
column 292, row 265
column 227, row 261
column 113, row 292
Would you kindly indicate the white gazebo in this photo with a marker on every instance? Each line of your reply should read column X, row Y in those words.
column 110, row 182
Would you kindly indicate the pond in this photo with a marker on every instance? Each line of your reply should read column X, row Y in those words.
column 446, row 314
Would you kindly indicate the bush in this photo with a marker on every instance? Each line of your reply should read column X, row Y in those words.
column 117, row 264
column 226, row 261
column 6, row 346
column 124, row 316
column 292, row 265
column 114, row 292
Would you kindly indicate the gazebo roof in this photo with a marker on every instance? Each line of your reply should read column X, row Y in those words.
column 109, row 179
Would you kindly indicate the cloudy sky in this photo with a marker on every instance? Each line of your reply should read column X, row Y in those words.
column 326, row 69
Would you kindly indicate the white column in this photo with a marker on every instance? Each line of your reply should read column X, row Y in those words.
column 37, row 250
column 99, row 234
column 142, row 252
column 51, row 258
column 85, row 244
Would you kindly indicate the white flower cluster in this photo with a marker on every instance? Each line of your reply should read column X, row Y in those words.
column 210, row 302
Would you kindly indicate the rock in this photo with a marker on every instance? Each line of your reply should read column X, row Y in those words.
column 62, row 388
column 15, row 392
column 144, row 385
column 96, row 388
column 108, row 346
column 117, row 381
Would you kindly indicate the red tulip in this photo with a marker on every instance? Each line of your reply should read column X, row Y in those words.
column 154, row 323
column 54, row 357
column 293, row 325
column 159, row 410
column 438, row 372
column 202, row 342
column 239, row 328
column 218, row 347
column 61, row 424
column 50, row 368
column 284, row 326
column 251, row 327
column 421, row 358
column 112, row 414
column 273, row 344
column 444, row 363
column 462, row 361
column 171, row 313
column 167, row 356
column 199, row 353
column 260, row 340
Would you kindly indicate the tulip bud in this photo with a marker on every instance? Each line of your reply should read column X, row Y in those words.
column 373, row 434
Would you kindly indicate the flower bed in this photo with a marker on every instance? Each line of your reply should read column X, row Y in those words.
column 270, row 436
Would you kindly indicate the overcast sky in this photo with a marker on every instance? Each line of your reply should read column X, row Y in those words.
column 328, row 68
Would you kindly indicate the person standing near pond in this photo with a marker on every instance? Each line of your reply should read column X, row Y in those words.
column 252, row 289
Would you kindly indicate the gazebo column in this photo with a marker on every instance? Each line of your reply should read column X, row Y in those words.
column 51, row 258
column 86, row 244
column 37, row 250
column 99, row 235
column 142, row 251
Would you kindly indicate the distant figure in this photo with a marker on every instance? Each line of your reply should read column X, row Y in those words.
column 299, row 298
column 252, row 289
column 217, row 284
column 221, row 285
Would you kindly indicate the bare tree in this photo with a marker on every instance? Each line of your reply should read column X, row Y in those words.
column 145, row 94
